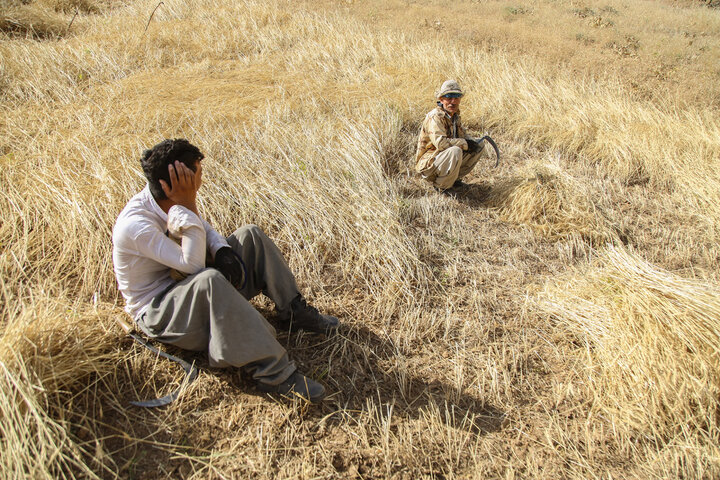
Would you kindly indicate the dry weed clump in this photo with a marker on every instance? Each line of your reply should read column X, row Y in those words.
column 553, row 203
column 58, row 342
column 651, row 342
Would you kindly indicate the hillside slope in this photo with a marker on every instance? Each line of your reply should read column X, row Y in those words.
column 558, row 317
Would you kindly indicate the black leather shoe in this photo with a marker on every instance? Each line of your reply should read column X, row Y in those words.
column 297, row 385
column 459, row 183
column 302, row 316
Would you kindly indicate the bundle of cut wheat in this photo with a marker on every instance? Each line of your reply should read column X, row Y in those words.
column 652, row 342
column 551, row 201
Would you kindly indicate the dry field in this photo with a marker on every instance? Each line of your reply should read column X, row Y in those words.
column 559, row 318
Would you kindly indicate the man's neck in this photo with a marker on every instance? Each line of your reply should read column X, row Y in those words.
column 165, row 204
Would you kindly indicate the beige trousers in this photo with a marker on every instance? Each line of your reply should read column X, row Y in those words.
column 449, row 165
column 205, row 312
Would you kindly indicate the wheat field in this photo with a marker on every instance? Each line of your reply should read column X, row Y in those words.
column 558, row 318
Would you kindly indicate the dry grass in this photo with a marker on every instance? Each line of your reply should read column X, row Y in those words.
column 665, row 51
column 307, row 113
column 32, row 20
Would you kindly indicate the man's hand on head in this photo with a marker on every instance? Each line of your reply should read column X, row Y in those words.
column 184, row 184
column 229, row 264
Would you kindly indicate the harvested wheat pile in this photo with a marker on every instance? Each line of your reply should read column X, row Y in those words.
column 34, row 445
column 50, row 354
column 652, row 343
column 34, row 20
column 553, row 203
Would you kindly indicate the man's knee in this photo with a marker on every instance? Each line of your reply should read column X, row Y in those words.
column 454, row 155
column 455, row 150
column 209, row 277
column 449, row 162
column 249, row 230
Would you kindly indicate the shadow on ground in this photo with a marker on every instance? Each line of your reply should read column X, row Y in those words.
column 363, row 368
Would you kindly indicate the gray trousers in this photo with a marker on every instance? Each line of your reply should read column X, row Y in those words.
column 205, row 312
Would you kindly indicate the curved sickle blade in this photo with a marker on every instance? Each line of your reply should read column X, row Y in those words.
column 191, row 374
column 495, row 147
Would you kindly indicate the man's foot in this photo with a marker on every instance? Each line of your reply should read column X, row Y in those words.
column 301, row 316
column 459, row 183
column 296, row 385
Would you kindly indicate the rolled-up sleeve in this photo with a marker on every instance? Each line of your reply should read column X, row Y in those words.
column 187, row 257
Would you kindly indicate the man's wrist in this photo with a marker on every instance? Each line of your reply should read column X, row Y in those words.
column 192, row 206
column 182, row 211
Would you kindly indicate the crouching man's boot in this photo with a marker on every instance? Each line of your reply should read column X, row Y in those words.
column 296, row 385
column 301, row 316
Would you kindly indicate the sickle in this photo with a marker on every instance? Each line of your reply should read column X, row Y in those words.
column 191, row 371
column 495, row 147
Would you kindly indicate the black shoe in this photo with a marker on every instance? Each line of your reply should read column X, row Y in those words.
column 297, row 385
column 459, row 183
column 302, row 316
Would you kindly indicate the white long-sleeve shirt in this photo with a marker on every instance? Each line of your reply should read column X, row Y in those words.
column 144, row 254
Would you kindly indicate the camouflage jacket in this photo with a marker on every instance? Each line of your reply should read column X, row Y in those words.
column 439, row 131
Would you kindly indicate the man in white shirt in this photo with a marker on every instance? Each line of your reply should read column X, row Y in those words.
column 160, row 247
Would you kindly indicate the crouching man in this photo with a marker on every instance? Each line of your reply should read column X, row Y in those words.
column 160, row 248
column 444, row 153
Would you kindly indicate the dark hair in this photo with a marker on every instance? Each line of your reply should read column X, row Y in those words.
column 156, row 160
